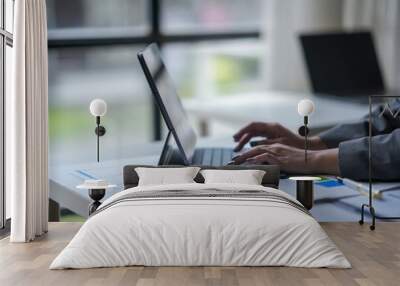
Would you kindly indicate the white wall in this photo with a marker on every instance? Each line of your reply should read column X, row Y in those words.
column 285, row 20
column 383, row 19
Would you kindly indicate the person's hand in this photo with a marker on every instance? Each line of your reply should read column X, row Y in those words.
column 273, row 132
column 292, row 159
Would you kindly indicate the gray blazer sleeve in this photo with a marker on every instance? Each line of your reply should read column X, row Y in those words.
column 352, row 140
column 353, row 157
column 383, row 122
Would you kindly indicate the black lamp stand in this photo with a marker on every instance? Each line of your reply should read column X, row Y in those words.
column 305, row 193
column 100, row 131
column 370, row 170
column 305, row 138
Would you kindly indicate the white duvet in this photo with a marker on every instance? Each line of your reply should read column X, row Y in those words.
column 200, row 231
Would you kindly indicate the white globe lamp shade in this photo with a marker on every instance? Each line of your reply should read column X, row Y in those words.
column 305, row 107
column 98, row 107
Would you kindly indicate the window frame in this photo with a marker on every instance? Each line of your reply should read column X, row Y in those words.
column 6, row 39
column 154, row 34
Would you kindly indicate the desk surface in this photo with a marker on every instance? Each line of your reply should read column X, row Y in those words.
column 275, row 106
column 64, row 179
column 331, row 203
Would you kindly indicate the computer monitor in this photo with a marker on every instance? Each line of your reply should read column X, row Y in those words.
column 170, row 105
column 342, row 63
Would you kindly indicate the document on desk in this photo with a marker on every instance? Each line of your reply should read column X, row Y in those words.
column 85, row 175
column 377, row 188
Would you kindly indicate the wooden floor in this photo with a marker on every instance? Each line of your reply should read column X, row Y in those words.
column 375, row 257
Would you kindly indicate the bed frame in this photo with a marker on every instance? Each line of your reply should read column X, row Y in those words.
column 270, row 179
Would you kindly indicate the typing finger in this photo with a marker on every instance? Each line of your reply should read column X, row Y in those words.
column 254, row 129
column 265, row 142
column 245, row 138
column 264, row 158
column 244, row 156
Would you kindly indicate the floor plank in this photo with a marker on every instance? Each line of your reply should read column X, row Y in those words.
column 375, row 257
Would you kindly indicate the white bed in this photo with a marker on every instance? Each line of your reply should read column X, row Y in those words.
column 268, row 228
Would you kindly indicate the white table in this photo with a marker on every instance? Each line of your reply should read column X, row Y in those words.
column 274, row 106
column 64, row 179
column 331, row 204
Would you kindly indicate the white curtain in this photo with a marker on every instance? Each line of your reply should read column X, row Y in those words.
column 285, row 19
column 26, row 123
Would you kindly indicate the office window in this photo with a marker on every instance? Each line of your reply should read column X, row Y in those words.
column 78, row 75
column 92, row 54
column 6, row 42
column 9, row 15
column 182, row 16
column 207, row 69
column 79, row 18
column 8, row 70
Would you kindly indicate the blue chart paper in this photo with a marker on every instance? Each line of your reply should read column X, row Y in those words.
column 329, row 183
column 85, row 175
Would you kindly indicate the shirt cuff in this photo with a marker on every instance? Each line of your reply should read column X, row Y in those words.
column 330, row 138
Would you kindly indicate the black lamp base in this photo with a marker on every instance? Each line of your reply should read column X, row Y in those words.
column 100, row 130
column 96, row 195
column 372, row 212
column 303, row 130
column 305, row 193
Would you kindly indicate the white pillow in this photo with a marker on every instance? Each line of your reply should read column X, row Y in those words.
column 248, row 177
column 165, row 176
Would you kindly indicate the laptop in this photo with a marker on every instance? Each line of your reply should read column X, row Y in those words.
column 180, row 144
column 342, row 63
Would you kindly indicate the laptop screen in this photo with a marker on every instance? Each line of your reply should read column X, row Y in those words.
column 342, row 63
column 167, row 98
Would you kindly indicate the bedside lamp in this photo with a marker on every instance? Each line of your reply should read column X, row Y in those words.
column 305, row 184
column 305, row 107
column 98, row 108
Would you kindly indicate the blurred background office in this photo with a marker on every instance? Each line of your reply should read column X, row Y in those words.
column 217, row 51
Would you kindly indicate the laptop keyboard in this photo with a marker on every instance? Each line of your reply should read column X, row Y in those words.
column 212, row 156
